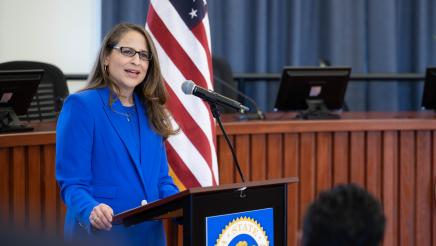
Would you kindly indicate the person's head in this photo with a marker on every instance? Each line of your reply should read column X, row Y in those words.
column 128, row 61
column 344, row 215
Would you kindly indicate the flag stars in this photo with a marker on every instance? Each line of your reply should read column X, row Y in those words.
column 193, row 13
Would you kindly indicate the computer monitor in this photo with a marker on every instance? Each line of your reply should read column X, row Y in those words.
column 429, row 93
column 17, row 88
column 314, row 91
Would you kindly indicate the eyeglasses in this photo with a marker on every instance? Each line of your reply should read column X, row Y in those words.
column 130, row 52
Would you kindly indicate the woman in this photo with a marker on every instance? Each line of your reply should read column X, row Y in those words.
column 110, row 154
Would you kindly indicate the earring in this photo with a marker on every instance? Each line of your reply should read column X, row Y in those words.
column 106, row 69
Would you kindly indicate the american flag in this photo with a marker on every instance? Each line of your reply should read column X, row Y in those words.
column 180, row 31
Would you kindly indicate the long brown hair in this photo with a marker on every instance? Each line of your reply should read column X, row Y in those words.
column 151, row 91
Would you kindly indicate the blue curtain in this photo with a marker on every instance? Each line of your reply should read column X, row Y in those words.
column 117, row 11
column 371, row 36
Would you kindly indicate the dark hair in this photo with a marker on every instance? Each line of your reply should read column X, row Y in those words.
column 344, row 215
column 151, row 91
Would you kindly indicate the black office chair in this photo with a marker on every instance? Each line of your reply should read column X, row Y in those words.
column 51, row 92
column 224, row 83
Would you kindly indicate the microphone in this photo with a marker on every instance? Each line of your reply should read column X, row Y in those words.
column 258, row 114
column 190, row 88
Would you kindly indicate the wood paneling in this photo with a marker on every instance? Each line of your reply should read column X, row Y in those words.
column 5, row 177
column 291, row 169
column 225, row 160
column 433, row 185
column 407, row 187
column 274, row 156
column 35, row 191
column 29, row 197
column 357, row 158
column 258, row 157
column 423, row 188
column 393, row 156
column 373, row 163
column 390, row 186
column 242, row 146
column 324, row 167
column 307, row 171
column 392, row 159
column 18, row 187
column 341, row 169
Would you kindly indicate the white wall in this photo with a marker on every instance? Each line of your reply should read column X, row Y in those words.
column 65, row 33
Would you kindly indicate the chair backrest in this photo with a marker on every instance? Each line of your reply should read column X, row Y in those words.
column 223, row 72
column 51, row 92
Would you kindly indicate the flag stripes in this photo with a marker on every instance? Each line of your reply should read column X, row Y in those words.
column 188, row 123
column 185, row 54
column 176, row 51
column 180, row 34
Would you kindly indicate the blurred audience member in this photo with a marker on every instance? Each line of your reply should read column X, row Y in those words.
column 344, row 215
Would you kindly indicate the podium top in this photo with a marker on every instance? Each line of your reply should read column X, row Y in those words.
column 126, row 215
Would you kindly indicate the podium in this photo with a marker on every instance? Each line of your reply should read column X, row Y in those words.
column 195, row 207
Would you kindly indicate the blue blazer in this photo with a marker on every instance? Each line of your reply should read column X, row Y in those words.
column 96, row 163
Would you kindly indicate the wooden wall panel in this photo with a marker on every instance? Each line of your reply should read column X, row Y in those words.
column 390, row 187
column 423, row 188
column 324, row 165
column 225, row 161
column 258, row 157
column 49, row 190
column 242, row 146
column 357, row 158
column 307, row 171
column 407, row 188
column 373, row 163
column 341, row 156
column 274, row 156
column 18, row 187
column 384, row 162
column 433, row 186
column 291, row 169
column 29, row 196
column 5, row 199
column 35, row 188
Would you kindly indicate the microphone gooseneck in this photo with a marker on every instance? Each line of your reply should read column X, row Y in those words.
column 189, row 88
column 259, row 113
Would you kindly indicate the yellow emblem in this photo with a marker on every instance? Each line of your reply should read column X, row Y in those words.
column 239, row 226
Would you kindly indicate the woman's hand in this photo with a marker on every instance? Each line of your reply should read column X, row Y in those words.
column 101, row 217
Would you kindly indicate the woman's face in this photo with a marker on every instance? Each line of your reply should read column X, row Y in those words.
column 128, row 71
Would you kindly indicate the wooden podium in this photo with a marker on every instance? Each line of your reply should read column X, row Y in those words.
column 191, row 207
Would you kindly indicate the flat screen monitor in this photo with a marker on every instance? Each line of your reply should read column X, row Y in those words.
column 316, row 91
column 17, row 88
column 429, row 93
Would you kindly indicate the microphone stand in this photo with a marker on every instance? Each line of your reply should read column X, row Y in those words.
column 217, row 115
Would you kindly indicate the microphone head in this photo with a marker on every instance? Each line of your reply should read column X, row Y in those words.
column 188, row 87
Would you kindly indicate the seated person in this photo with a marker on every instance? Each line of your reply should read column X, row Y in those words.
column 344, row 215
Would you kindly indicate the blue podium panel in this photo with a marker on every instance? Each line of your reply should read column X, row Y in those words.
column 255, row 227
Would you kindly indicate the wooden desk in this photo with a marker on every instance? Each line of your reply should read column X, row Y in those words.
column 392, row 155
